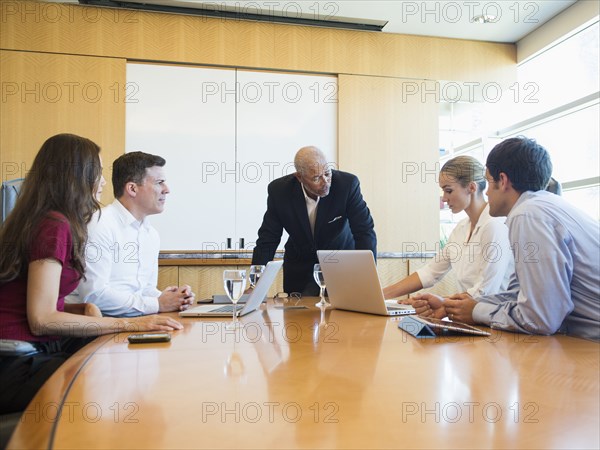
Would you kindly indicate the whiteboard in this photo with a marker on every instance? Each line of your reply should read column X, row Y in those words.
column 225, row 134
column 295, row 111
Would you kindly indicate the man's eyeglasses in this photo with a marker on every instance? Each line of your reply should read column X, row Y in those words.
column 326, row 176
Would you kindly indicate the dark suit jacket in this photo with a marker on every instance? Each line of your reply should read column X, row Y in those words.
column 343, row 222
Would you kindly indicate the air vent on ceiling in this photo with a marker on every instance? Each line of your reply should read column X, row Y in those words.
column 240, row 12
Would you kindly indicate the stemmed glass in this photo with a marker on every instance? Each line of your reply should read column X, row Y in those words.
column 320, row 280
column 322, row 324
column 254, row 274
column 234, row 282
column 234, row 366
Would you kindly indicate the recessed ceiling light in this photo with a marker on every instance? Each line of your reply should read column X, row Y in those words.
column 484, row 18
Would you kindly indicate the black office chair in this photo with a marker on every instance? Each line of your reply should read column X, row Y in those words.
column 12, row 349
column 8, row 197
column 9, row 192
column 8, row 423
column 9, row 348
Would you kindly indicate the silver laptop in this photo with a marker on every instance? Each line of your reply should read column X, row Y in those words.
column 353, row 284
column 252, row 304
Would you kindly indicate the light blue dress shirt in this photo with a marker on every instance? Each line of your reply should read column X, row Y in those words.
column 557, row 271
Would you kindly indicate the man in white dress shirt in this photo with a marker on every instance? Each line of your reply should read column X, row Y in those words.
column 122, row 249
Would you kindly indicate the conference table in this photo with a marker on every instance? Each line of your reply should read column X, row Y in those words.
column 305, row 377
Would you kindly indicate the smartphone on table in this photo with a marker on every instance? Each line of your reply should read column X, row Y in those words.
column 146, row 338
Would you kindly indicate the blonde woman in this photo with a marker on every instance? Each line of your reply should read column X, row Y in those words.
column 478, row 249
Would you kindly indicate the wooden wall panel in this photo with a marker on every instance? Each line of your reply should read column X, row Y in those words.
column 207, row 281
column 389, row 138
column 85, row 30
column 291, row 49
column 167, row 276
column 204, row 281
column 46, row 94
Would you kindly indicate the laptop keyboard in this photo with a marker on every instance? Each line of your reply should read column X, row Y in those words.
column 228, row 308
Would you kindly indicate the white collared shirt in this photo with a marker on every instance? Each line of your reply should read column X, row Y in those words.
column 483, row 264
column 121, row 264
column 311, row 209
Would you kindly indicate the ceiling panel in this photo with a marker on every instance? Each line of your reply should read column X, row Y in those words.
column 509, row 21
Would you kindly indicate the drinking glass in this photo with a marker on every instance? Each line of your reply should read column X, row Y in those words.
column 320, row 280
column 234, row 282
column 234, row 366
column 255, row 273
column 321, row 327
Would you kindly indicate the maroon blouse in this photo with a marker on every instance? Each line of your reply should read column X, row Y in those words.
column 51, row 240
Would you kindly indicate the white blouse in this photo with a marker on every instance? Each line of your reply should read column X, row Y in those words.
column 483, row 265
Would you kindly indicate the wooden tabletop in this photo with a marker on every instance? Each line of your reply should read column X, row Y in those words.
column 306, row 378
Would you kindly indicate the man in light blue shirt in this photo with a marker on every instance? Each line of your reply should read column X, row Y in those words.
column 556, row 287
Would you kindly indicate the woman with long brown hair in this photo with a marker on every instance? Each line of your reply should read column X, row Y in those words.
column 42, row 259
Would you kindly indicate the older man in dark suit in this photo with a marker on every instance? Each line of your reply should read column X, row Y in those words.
column 321, row 209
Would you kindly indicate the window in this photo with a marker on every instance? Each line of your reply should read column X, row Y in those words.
column 566, row 72
column 572, row 141
column 567, row 115
column 556, row 102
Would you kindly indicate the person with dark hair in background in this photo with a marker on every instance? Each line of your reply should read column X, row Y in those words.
column 554, row 186
column 42, row 260
column 478, row 250
column 122, row 250
column 556, row 247
column 320, row 208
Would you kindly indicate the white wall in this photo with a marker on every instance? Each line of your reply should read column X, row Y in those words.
column 225, row 134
